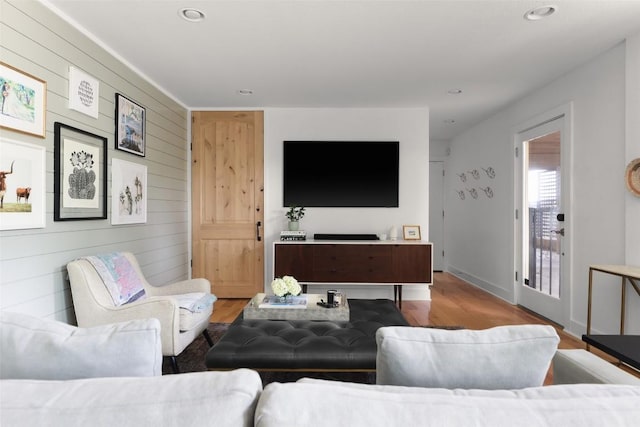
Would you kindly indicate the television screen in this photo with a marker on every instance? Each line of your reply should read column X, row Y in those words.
column 341, row 173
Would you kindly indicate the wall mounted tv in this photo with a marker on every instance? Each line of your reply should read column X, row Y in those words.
column 341, row 173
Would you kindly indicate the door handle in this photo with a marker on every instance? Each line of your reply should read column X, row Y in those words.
column 258, row 224
column 560, row 232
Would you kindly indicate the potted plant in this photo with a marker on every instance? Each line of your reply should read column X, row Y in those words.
column 295, row 214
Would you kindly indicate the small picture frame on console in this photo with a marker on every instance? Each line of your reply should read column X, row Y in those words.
column 411, row 232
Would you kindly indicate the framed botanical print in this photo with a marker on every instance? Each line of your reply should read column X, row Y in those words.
column 22, row 185
column 129, row 193
column 23, row 106
column 130, row 126
column 80, row 174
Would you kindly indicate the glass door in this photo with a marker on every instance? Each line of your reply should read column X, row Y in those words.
column 542, row 286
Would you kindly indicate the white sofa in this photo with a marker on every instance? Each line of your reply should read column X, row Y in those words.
column 237, row 398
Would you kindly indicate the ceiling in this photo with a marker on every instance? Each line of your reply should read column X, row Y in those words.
column 361, row 53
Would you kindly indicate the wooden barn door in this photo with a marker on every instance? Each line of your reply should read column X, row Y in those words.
column 228, row 198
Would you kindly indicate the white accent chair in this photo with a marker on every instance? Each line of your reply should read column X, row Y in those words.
column 94, row 306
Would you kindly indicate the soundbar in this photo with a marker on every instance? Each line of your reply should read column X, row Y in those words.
column 321, row 236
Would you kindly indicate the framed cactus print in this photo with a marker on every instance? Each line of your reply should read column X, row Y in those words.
column 80, row 174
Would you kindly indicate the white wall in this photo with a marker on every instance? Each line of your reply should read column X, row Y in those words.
column 632, row 151
column 480, row 233
column 33, row 261
column 409, row 126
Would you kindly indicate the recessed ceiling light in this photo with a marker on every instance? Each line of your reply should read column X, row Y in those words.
column 454, row 91
column 190, row 14
column 449, row 121
column 540, row 12
column 245, row 92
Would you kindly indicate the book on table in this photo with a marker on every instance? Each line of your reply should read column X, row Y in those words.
column 274, row 301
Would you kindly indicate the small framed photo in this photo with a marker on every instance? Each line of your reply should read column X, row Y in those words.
column 23, row 101
column 84, row 92
column 128, row 192
column 22, row 185
column 411, row 232
column 130, row 126
column 80, row 174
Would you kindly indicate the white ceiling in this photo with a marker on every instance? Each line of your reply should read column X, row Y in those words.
column 362, row 53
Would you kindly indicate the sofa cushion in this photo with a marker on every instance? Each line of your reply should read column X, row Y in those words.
column 193, row 399
column 37, row 348
column 504, row 357
column 332, row 403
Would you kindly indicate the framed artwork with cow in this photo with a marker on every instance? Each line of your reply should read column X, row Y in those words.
column 22, row 185
column 80, row 174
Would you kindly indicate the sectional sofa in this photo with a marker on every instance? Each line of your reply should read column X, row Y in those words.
column 45, row 380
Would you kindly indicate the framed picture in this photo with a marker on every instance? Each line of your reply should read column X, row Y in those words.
column 128, row 192
column 23, row 101
column 79, row 174
column 411, row 232
column 130, row 126
column 84, row 93
column 22, row 185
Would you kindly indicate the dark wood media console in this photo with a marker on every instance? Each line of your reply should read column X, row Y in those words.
column 395, row 263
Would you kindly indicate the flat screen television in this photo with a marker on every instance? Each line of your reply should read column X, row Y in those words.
column 341, row 173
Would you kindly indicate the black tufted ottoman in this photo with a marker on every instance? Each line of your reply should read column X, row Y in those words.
column 306, row 345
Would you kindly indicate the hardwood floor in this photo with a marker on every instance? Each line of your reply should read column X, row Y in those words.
column 454, row 302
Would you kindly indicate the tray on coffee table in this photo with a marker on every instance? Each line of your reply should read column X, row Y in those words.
column 312, row 311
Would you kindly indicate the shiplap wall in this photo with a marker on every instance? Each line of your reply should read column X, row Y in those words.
column 33, row 261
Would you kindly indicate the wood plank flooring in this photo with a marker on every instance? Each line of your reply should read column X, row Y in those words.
column 454, row 302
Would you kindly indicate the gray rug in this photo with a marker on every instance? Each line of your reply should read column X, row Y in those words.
column 192, row 360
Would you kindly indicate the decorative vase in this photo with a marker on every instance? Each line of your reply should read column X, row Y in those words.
column 288, row 299
column 294, row 225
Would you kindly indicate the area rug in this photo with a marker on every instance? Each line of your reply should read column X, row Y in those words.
column 192, row 360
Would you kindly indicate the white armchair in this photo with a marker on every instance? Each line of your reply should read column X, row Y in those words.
column 94, row 305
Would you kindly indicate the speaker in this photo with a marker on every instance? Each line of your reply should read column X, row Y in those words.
column 321, row 236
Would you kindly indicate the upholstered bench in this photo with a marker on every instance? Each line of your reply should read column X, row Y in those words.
column 307, row 345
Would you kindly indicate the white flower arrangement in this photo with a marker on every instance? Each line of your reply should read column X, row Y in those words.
column 287, row 285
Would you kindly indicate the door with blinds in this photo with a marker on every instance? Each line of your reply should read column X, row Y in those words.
column 542, row 282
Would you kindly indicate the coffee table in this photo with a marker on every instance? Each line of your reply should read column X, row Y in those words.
column 306, row 345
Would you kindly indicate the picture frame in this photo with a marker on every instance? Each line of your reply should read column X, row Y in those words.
column 84, row 92
column 22, row 185
column 80, row 174
column 411, row 232
column 128, row 192
column 23, row 105
column 130, row 126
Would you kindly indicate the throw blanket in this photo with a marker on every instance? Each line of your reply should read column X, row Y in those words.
column 196, row 302
column 119, row 276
